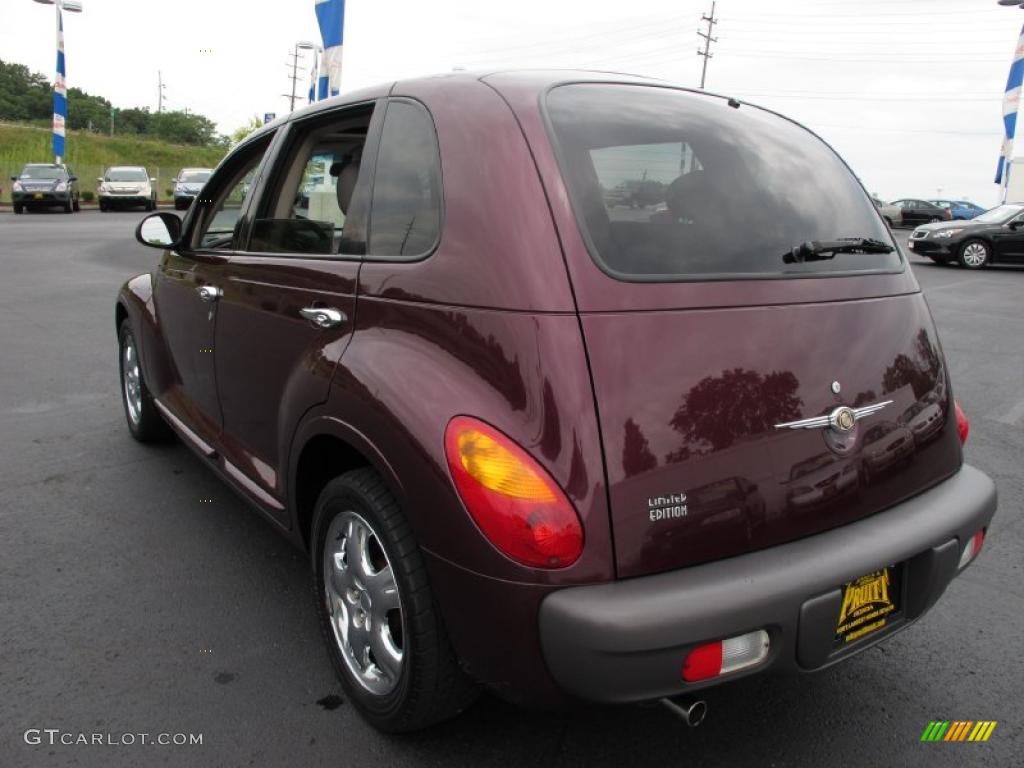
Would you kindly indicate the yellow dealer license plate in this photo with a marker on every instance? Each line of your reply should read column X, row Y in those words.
column 38, row 195
column 868, row 603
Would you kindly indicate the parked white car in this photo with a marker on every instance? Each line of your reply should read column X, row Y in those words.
column 892, row 214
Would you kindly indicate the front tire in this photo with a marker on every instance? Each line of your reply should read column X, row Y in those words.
column 103, row 206
column 975, row 254
column 69, row 206
column 78, row 205
column 19, row 209
column 380, row 622
column 144, row 421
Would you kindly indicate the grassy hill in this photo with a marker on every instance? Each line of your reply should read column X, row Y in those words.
column 90, row 153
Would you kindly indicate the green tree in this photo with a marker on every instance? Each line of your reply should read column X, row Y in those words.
column 240, row 133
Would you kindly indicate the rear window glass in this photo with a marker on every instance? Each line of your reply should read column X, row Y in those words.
column 670, row 185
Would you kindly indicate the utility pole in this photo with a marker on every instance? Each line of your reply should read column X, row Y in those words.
column 160, row 91
column 302, row 45
column 708, row 40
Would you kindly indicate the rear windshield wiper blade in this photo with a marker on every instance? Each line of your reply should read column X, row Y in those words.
column 817, row 250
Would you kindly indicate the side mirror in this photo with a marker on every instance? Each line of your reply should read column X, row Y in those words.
column 159, row 230
column 72, row 178
column 14, row 178
column 1015, row 224
column 99, row 179
column 152, row 179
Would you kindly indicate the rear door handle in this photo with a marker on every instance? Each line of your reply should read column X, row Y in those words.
column 209, row 292
column 324, row 317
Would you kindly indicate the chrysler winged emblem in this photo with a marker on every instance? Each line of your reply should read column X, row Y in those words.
column 841, row 419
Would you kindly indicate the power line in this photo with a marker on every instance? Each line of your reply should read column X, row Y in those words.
column 708, row 40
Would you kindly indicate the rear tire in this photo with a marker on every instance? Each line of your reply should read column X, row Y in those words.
column 144, row 421
column 356, row 513
column 974, row 254
column 934, row 220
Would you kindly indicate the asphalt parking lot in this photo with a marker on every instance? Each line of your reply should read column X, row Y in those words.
column 130, row 606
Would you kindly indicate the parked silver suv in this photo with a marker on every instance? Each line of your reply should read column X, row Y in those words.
column 189, row 183
column 126, row 185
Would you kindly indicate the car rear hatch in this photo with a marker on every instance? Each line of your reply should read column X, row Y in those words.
column 708, row 334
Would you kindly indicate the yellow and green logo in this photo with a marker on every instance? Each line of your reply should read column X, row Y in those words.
column 958, row 730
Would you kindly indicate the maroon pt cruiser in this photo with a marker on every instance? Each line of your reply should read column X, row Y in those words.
column 574, row 386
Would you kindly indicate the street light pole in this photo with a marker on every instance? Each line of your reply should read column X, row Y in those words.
column 60, row 91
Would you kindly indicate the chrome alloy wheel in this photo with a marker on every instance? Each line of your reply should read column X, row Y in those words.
column 131, row 382
column 975, row 254
column 363, row 602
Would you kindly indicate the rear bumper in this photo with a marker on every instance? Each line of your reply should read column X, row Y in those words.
column 626, row 641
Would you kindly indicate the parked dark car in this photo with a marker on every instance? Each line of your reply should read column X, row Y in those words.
column 994, row 237
column 959, row 209
column 539, row 441
column 920, row 211
column 45, row 185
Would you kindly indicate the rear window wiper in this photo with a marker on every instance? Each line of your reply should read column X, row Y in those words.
column 817, row 250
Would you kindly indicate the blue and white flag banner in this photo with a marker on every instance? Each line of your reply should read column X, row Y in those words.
column 330, row 15
column 60, row 95
column 313, row 76
column 1011, row 103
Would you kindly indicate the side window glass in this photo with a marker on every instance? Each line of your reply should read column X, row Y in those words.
column 405, row 213
column 228, row 190
column 310, row 196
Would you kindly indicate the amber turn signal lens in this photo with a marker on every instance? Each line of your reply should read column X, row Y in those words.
column 514, row 501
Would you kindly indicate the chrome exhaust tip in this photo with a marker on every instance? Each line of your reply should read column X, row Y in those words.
column 691, row 711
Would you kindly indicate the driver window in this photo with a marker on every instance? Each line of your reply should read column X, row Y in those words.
column 305, row 210
column 221, row 212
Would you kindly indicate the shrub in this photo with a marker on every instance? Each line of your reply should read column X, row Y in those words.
column 87, row 196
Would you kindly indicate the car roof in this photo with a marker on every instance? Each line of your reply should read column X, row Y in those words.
column 536, row 79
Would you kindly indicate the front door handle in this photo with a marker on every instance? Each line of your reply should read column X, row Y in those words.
column 209, row 292
column 324, row 317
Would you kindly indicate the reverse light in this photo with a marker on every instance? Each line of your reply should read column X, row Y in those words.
column 972, row 549
column 963, row 424
column 724, row 656
column 516, row 504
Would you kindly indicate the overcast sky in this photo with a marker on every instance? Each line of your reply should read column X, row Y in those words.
column 908, row 91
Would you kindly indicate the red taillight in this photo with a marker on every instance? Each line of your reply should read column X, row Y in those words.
column 703, row 662
column 724, row 656
column 973, row 549
column 963, row 426
column 517, row 505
